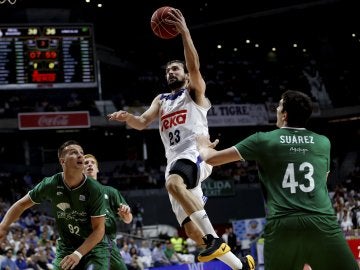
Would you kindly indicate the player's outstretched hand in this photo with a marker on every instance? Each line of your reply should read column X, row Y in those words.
column 203, row 141
column 120, row 116
column 214, row 143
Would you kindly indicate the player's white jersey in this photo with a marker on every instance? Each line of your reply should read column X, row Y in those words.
column 181, row 119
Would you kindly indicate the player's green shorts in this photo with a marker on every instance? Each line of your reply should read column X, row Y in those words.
column 104, row 259
column 290, row 242
column 95, row 260
column 116, row 261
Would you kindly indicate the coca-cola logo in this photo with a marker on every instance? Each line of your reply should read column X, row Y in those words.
column 55, row 120
column 173, row 119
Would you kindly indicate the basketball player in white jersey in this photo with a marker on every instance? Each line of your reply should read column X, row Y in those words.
column 182, row 115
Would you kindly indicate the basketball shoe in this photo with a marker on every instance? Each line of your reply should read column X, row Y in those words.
column 215, row 247
column 248, row 262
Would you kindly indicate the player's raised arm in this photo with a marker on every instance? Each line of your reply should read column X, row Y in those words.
column 196, row 81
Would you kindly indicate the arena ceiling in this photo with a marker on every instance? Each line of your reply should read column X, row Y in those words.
column 122, row 23
column 123, row 34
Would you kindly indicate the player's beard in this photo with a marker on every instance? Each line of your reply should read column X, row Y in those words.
column 176, row 84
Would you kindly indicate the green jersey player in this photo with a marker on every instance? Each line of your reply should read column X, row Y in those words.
column 79, row 210
column 116, row 207
column 293, row 165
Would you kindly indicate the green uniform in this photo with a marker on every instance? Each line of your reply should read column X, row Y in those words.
column 73, row 209
column 113, row 199
column 301, row 224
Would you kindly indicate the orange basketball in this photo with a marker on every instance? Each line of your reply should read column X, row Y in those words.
column 159, row 26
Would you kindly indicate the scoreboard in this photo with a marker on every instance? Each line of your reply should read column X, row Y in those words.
column 47, row 56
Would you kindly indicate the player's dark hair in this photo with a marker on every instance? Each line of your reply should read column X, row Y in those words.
column 179, row 62
column 65, row 144
column 298, row 106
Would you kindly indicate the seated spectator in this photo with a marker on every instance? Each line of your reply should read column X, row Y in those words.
column 158, row 256
column 136, row 263
column 21, row 261
column 233, row 241
column 50, row 254
column 41, row 259
column 171, row 254
column 178, row 243
column 8, row 263
column 125, row 254
column 346, row 223
column 144, row 249
column 145, row 254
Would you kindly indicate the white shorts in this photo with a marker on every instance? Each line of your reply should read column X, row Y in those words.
column 205, row 171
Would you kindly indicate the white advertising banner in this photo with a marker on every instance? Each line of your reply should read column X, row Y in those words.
column 237, row 115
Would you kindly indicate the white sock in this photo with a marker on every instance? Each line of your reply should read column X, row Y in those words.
column 201, row 219
column 231, row 260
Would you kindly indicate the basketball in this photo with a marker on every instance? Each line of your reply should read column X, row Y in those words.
column 159, row 26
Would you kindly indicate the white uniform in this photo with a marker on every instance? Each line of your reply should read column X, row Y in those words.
column 181, row 120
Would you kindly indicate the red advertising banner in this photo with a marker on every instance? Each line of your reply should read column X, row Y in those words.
column 355, row 247
column 53, row 120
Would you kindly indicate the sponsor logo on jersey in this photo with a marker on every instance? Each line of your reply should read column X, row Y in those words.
column 59, row 193
column 61, row 214
column 173, row 119
column 72, row 215
column 63, row 206
column 82, row 198
column 298, row 150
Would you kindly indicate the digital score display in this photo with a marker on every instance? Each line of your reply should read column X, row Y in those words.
column 47, row 56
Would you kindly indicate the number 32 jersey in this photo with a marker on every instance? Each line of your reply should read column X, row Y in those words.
column 293, row 164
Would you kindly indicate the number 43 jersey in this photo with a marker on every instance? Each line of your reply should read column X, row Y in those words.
column 181, row 119
column 293, row 164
